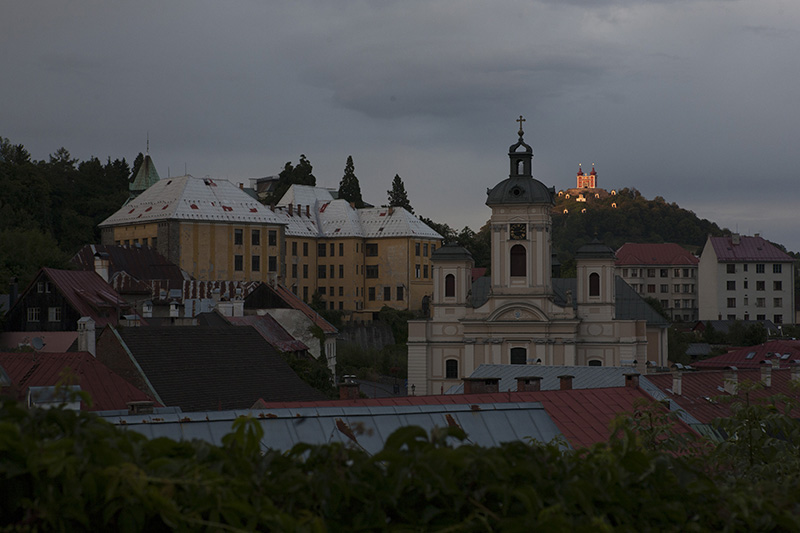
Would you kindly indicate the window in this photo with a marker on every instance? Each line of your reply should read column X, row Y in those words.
column 634, row 272
column 777, row 285
column 451, row 369
column 33, row 314
column 425, row 250
column 341, row 249
column 761, row 302
column 651, row 288
column 144, row 241
column 676, row 273
column 333, row 272
column 372, row 271
column 400, row 293
column 333, row 249
column 664, row 303
column 305, row 249
column 518, row 260
column 305, row 294
column 651, row 272
column 294, row 271
column 744, row 267
column 305, row 271
column 321, row 250
column 731, row 317
column 416, row 249
column 450, row 286
column 595, row 362
column 372, row 294
column 676, row 288
column 761, row 317
column 341, row 291
column 688, row 304
column 744, row 284
column 519, row 356
column 686, row 272
column 759, row 268
column 294, row 248
column 760, row 285
column 425, row 271
column 341, row 271
column 341, row 306
column 40, row 287
column 255, row 261
column 238, row 236
column 255, row 237
column 594, row 284
column 731, row 285
column 273, row 263
column 417, row 270
column 664, row 272
column 777, row 319
column 745, row 302
column 731, row 303
column 731, row 268
column 331, row 306
column 323, row 291
column 433, row 248
column 776, row 268
column 676, row 304
column 321, row 272
column 387, row 294
column 54, row 314
column 777, row 302
column 154, row 242
column 664, row 288
column 238, row 263
column 272, row 238
column 624, row 272
column 371, row 250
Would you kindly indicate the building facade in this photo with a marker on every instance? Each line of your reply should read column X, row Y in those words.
column 522, row 315
column 666, row 272
column 745, row 278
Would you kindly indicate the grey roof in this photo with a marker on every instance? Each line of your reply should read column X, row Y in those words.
column 451, row 252
column 585, row 377
column 369, row 426
column 595, row 249
column 520, row 190
column 698, row 348
column 481, row 290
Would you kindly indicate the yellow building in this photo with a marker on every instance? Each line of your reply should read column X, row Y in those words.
column 358, row 260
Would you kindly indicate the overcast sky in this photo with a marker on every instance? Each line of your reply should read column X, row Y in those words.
column 695, row 101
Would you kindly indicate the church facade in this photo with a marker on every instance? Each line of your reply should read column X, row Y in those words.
column 521, row 314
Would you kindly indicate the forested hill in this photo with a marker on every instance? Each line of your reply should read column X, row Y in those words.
column 626, row 217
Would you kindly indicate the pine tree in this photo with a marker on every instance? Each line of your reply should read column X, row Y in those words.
column 349, row 188
column 398, row 196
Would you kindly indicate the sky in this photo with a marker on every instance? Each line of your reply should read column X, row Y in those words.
column 694, row 101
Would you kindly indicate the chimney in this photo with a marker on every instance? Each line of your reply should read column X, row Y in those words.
column 299, row 211
column 142, row 407
column 481, row 385
column 291, row 209
column 241, row 185
column 766, row 373
column 348, row 389
column 86, row 338
column 391, row 210
column 308, row 211
column 677, row 383
column 566, row 381
column 101, row 265
column 794, row 370
column 731, row 380
column 735, row 238
column 529, row 383
column 632, row 380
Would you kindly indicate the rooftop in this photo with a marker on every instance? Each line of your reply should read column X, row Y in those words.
column 742, row 248
column 655, row 254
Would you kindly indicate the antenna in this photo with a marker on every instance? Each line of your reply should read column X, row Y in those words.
column 37, row 343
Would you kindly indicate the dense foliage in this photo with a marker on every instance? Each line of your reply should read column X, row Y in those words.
column 349, row 187
column 398, row 196
column 62, row 470
column 300, row 174
column 49, row 209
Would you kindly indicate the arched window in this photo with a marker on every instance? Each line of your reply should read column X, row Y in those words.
column 451, row 369
column 594, row 284
column 449, row 286
column 518, row 260
column 595, row 362
column 519, row 356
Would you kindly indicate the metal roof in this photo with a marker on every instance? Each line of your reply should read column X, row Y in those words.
column 366, row 426
column 190, row 198
column 272, row 332
column 655, row 254
column 781, row 353
column 747, row 249
column 146, row 176
column 585, row 377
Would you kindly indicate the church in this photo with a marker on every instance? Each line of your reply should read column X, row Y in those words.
column 521, row 313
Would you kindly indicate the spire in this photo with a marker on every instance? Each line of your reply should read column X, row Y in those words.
column 520, row 155
column 594, row 172
column 520, row 132
column 580, row 170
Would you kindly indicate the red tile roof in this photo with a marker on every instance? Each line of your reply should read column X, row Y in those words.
column 89, row 295
column 107, row 389
column 700, row 390
column 782, row 352
column 583, row 415
column 748, row 249
column 271, row 330
column 654, row 254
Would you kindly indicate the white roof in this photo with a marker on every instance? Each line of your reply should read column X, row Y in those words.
column 393, row 222
column 190, row 198
column 338, row 219
column 304, row 195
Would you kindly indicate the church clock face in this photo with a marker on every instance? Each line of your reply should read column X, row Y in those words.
column 518, row 232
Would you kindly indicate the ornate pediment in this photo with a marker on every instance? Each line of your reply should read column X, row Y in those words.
column 516, row 314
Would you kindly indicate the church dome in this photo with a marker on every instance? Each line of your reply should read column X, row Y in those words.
column 520, row 187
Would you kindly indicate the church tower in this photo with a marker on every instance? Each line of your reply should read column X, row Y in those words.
column 586, row 181
column 146, row 176
column 521, row 227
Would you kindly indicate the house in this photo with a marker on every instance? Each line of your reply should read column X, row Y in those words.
column 724, row 326
column 666, row 272
column 201, row 368
column 780, row 353
column 522, row 314
column 57, row 299
column 745, row 278
column 273, row 333
column 37, row 370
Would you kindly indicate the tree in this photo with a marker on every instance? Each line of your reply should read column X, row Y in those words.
column 398, row 196
column 291, row 175
column 349, row 188
column 136, row 164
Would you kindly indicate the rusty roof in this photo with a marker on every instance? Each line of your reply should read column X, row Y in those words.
column 655, row 254
column 107, row 389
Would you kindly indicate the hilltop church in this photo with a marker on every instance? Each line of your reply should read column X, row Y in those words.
column 521, row 314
